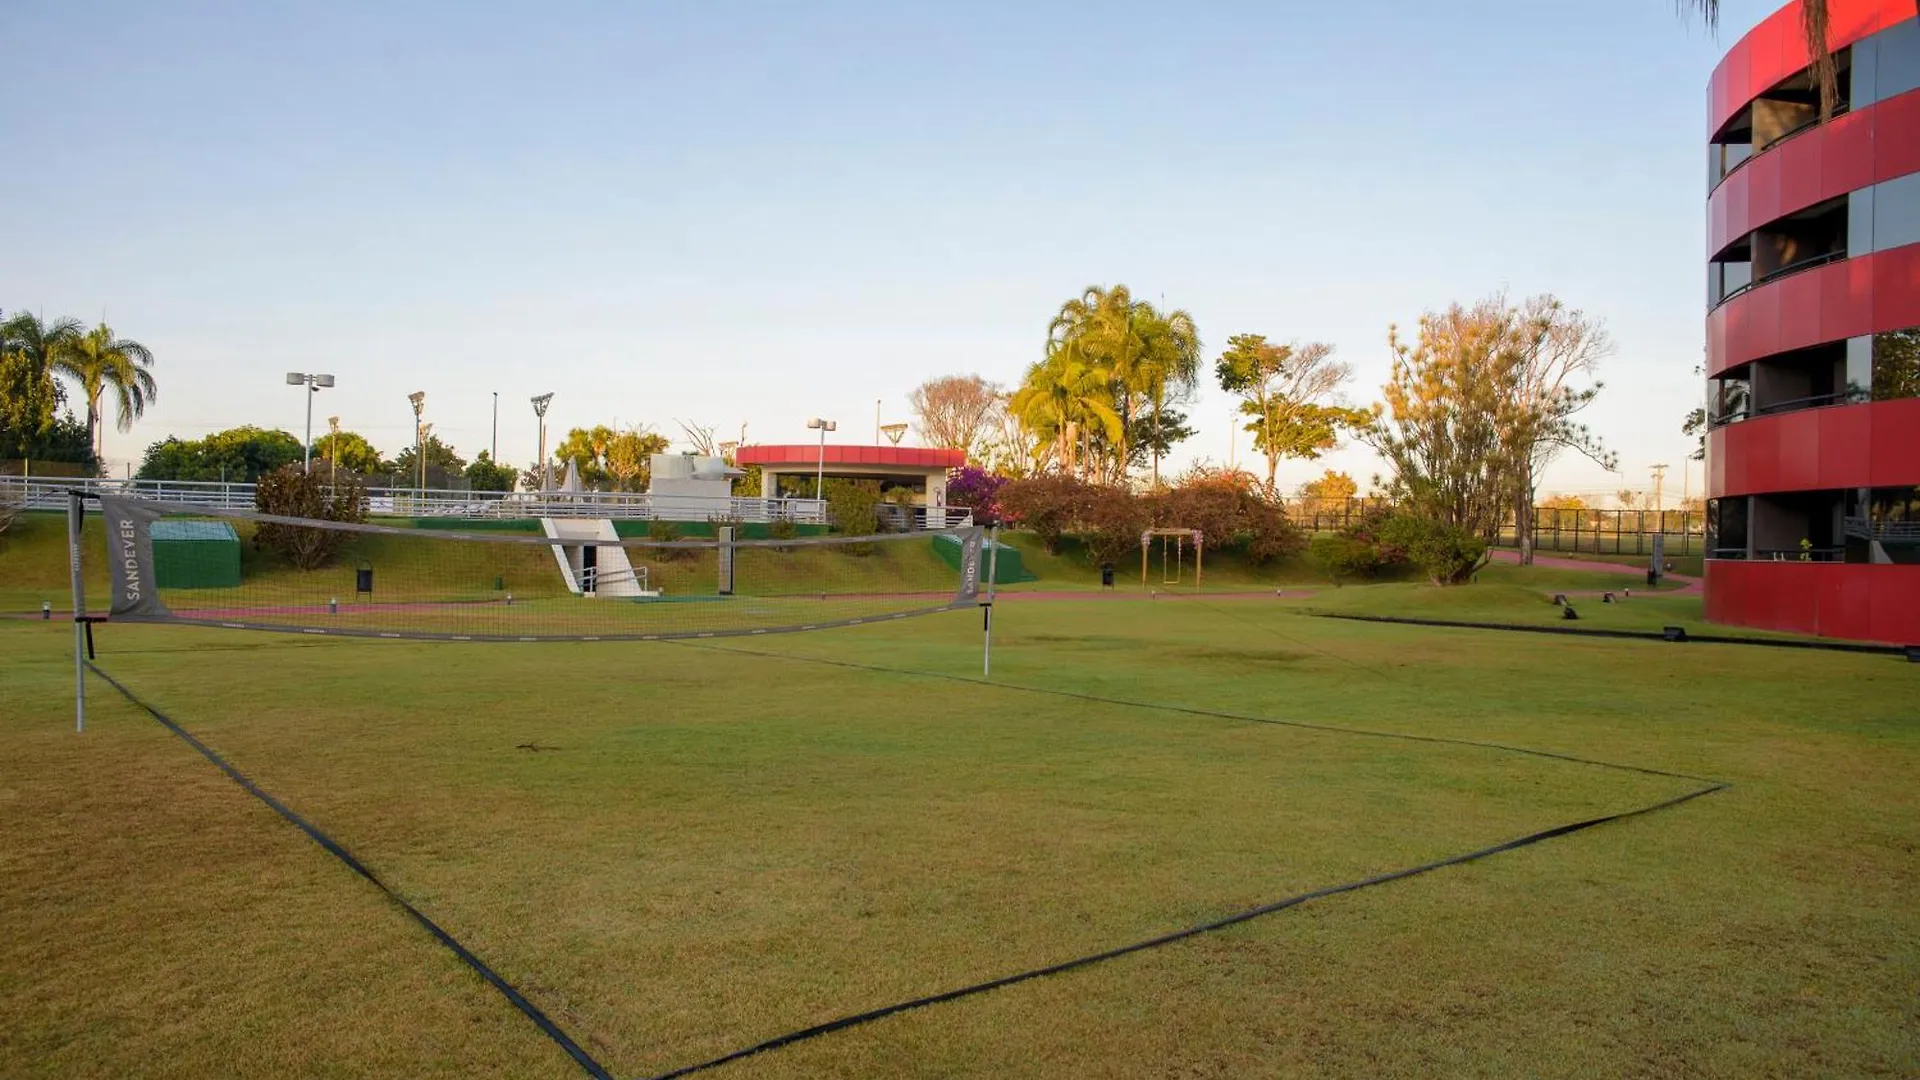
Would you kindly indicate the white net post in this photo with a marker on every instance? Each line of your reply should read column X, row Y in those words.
column 986, row 626
column 76, row 514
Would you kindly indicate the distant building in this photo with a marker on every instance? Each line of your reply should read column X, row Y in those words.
column 1813, row 330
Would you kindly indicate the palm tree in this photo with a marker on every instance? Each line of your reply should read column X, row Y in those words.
column 99, row 362
column 1066, row 400
column 1147, row 357
column 40, row 342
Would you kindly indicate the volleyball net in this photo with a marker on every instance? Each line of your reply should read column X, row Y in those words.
column 545, row 579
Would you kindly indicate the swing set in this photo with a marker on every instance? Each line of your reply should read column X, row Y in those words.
column 1173, row 554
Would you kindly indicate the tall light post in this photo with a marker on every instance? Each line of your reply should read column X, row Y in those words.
column 314, row 384
column 419, row 400
column 820, row 473
column 333, row 449
column 876, row 421
column 494, row 450
column 540, row 404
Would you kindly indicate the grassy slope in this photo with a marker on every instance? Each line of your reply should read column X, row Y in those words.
column 33, row 567
column 722, row 846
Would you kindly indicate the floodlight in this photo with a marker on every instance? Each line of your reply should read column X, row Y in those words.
column 540, row 404
column 323, row 380
column 294, row 378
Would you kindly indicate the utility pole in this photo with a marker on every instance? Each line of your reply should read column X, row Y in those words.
column 1659, row 478
column 493, row 451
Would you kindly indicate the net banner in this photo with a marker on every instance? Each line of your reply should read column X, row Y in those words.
column 552, row 579
column 130, row 558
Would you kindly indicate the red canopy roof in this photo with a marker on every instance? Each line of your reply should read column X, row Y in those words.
column 808, row 454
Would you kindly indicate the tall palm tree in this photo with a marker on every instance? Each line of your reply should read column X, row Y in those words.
column 39, row 341
column 1147, row 357
column 100, row 362
column 1066, row 400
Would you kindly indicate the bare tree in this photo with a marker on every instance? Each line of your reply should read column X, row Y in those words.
column 1561, row 349
column 956, row 411
column 702, row 437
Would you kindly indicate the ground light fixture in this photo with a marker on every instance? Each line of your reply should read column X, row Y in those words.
column 314, row 384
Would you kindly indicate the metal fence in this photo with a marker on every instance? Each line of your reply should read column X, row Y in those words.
column 50, row 493
column 1602, row 532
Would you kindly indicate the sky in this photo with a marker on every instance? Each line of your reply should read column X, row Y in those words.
column 749, row 214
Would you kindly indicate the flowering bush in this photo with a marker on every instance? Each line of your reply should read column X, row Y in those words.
column 978, row 490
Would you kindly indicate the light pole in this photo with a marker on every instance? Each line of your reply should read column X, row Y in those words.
column 333, row 450
column 494, row 450
column 876, row 421
column 820, row 474
column 419, row 401
column 314, row 384
column 540, row 410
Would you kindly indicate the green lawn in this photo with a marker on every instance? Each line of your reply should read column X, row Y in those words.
column 705, row 847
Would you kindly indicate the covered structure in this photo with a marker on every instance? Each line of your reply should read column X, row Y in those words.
column 911, row 474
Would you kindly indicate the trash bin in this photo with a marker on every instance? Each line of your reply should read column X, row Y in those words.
column 363, row 580
column 1106, row 575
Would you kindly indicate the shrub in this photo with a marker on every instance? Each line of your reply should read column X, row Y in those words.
column 853, row 506
column 1110, row 522
column 1447, row 554
column 1230, row 510
column 1343, row 558
column 667, row 532
column 1047, row 506
column 291, row 491
column 782, row 528
column 978, row 490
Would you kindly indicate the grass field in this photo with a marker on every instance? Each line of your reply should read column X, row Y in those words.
column 677, row 850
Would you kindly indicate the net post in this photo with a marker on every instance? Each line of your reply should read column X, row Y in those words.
column 76, row 513
column 986, row 623
column 724, row 559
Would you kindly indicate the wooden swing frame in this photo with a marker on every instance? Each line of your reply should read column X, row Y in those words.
column 1179, row 535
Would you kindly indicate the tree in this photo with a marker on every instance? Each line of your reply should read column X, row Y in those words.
column 1284, row 391
column 100, row 362
column 484, row 475
column 628, row 458
column 31, row 422
column 1065, row 406
column 239, row 455
column 976, row 489
column 1444, row 425
column 956, row 411
column 702, row 437
column 1332, row 487
column 443, row 464
column 1560, row 350
column 1047, row 505
column 1145, row 359
column 348, row 450
column 585, row 449
column 291, row 491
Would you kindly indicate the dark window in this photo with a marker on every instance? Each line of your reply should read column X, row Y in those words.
column 1727, row 528
column 1886, row 64
column 1895, row 214
column 1731, row 396
column 1896, row 364
column 1883, row 525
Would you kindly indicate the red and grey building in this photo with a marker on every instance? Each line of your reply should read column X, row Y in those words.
column 1813, row 330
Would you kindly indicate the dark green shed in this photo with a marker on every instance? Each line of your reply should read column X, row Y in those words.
column 195, row 555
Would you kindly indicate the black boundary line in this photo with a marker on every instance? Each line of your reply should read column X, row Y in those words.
column 529, row 1009
column 1636, row 635
column 1709, row 787
column 1178, row 935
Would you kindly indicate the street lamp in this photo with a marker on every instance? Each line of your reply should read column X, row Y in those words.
column 419, row 400
column 314, row 384
column 820, row 476
column 333, row 449
column 540, row 410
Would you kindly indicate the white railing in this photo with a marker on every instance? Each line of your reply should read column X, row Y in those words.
column 50, row 493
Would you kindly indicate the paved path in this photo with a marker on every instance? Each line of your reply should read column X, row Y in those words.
column 1689, row 586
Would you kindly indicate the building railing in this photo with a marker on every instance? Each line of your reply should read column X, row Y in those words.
column 50, row 493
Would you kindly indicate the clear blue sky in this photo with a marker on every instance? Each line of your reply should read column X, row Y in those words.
column 745, row 212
